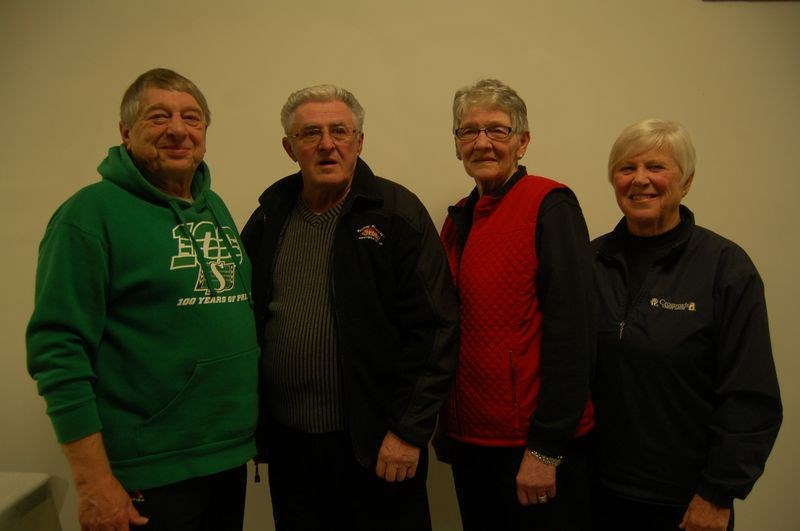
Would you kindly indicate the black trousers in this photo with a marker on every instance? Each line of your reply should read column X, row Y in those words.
column 208, row 503
column 316, row 483
column 485, row 480
column 612, row 513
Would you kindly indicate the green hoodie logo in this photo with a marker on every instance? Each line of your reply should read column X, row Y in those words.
column 206, row 238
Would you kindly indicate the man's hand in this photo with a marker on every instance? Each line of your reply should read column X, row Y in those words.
column 397, row 460
column 536, row 481
column 702, row 515
column 103, row 504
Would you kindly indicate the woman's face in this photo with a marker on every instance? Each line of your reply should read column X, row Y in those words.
column 490, row 162
column 649, row 192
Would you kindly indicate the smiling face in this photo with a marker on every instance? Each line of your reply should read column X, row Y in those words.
column 326, row 165
column 168, row 139
column 490, row 162
column 649, row 192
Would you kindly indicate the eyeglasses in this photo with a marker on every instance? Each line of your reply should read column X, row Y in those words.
column 313, row 135
column 496, row 132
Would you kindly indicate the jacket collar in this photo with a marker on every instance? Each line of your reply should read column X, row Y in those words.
column 364, row 188
column 461, row 213
column 613, row 247
column 472, row 198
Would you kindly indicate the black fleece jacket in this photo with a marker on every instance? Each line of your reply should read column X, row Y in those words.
column 395, row 307
column 686, row 395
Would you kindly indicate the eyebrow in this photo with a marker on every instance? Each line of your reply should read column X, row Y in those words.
column 162, row 107
column 321, row 126
column 488, row 124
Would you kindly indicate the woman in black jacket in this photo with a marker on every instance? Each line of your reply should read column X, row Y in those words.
column 686, row 395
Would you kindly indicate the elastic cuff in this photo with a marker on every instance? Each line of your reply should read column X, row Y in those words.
column 545, row 447
column 715, row 496
column 76, row 423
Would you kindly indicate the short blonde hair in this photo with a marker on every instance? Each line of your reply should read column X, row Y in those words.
column 653, row 134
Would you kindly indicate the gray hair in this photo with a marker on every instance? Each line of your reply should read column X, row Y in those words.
column 494, row 94
column 162, row 78
column 652, row 134
column 321, row 93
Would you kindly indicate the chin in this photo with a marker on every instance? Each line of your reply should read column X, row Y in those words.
column 487, row 177
column 641, row 220
column 330, row 180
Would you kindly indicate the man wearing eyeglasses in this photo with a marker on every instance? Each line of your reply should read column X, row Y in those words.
column 358, row 320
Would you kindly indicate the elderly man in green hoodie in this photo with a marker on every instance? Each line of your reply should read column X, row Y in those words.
column 142, row 340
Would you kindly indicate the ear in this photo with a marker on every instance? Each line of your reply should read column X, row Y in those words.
column 287, row 146
column 524, row 140
column 458, row 153
column 687, row 185
column 360, row 142
column 125, row 133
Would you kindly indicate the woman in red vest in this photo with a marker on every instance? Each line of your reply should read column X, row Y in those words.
column 514, row 424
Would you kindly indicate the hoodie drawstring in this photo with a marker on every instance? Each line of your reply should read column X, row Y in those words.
column 201, row 257
column 197, row 252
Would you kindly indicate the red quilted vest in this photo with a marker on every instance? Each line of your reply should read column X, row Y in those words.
column 498, row 379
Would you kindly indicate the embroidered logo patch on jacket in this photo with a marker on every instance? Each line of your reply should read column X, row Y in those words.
column 370, row 232
column 666, row 305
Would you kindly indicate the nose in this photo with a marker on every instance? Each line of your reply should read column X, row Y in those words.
column 483, row 139
column 641, row 176
column 326, row 142
column 175, row 126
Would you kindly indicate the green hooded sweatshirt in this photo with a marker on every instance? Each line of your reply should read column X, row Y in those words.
column 143, row 327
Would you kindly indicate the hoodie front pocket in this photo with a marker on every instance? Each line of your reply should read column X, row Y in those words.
column 219, row 403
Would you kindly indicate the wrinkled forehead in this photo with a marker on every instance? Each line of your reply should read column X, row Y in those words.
column 169, row 100
column 644, row 144
column 494, row 114
column 153, row 94
column 319, row 113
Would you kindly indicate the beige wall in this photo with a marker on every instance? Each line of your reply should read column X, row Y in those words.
column 730, row 71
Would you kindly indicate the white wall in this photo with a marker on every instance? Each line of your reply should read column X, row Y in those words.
column 730, row 71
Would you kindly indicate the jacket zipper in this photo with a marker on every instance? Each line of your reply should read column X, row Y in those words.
column 457, row 407
column 635, row 300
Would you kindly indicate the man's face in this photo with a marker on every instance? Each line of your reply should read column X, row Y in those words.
column 327, row 163
column 168, row 140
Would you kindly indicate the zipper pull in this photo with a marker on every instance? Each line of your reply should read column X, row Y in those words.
column 621, row 326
